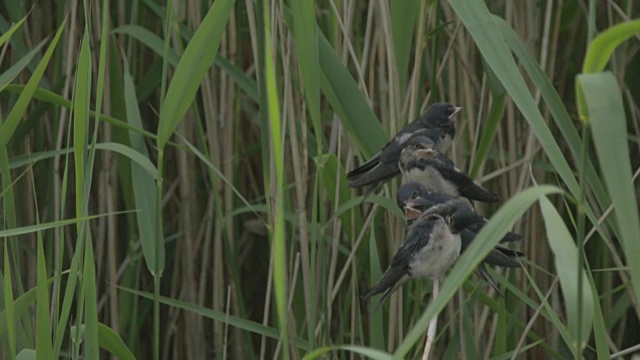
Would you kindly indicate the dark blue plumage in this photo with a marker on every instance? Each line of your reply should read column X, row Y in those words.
column 416, row 199
column 436, row 124
column 420, row 161
column 428, row 250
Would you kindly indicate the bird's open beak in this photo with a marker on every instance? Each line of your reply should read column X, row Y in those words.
column 455, row 111
column 411, row 213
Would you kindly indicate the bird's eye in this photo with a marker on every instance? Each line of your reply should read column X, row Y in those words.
column 415, row 195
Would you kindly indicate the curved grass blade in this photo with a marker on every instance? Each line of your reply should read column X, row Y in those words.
column 10, row 315
column 43, row 321
column 7, row 35
column 490, row 127
column 347, row 101
column 55, row 99
column 482, row 27
column 15, row 69
column 304, row 32
column 50, row 225
column 155, row 43
column 599, row 328
column 280, row 278
column 194, row 63
column 235, row 321
column 601, row 48
column 92, row 348
column 27, row 354
column 21, row 306
column 599, row 52
column 81, row 100
column 20, row 107
column 137, row 157
column 148, row 38
column 112, row 342
column 608, row 120
column 565, row 254
column 366, row 352
column 403, row 16
column 555, row 105
column 376, row 331
column 143, row 181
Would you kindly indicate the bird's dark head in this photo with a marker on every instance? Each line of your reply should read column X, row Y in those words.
column 440, row 114
column 413, row 200
column 420, row 146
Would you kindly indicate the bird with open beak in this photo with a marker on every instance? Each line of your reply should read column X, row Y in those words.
column 428, row 251
column 416, row 200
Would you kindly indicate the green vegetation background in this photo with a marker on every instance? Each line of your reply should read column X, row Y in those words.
column 173, row 176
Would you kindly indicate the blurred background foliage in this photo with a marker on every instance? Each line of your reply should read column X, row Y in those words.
column 173, row 176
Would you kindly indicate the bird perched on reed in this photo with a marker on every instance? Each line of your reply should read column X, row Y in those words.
column 420, row 161
column 416, row 199
column 428, row 250
column 436, row 124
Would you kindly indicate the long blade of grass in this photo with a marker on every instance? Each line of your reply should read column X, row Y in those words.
column 556, row 107
column 376, row 332
column 139, row 158
column 304, row 32
column 27, row 354
column 490, row 127
column 601, row 48
column 144, row 190
column 194, row 63
column 566, row 259
column 489, row 236
column 599, row 52
column 50, row 225
column 10, row 244
column 403, row 16
column 348, row 102
column 10, row 316
column 608, row 120
column 92, row 343
column 276, row 136
column 482, row 27
column 364, row 351
column 15, row 69
column 44, row 345
column 112, row 342
column 235, row 321
column 155, row 43
column 7, row 34
column 599, row 328
column 81, row 106
column 55, row 99
column 22, row 305
column 19, row 108
column 306, row 41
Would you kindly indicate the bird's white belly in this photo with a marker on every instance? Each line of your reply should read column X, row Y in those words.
column 432, row 178
column 436, row 258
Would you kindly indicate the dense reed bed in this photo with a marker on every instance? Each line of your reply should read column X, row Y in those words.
column 173, row 176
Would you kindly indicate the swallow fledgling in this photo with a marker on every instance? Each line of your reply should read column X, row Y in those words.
column 414, row 198
column 436, row 124
column 417, row 200
column 428, row 251
column 462, row 219
column 421, row 161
